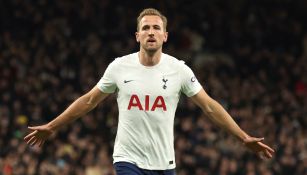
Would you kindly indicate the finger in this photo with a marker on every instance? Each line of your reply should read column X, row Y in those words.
column 253, row 140
column 267, row 154
column 26, row 139
column 267, row 147
column 270, row 149
column 41, row 143
column 30, row 135
column 33, row 128
column 257, row 139
column 30, row 140
column 34, row 142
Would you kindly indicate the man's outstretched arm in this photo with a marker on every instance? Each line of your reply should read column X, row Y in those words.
column 78, row 108
column 219, row 116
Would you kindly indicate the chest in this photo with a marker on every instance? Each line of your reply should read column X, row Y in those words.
column 152, row 82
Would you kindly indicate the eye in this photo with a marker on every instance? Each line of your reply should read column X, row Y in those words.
column 146, row 27
column 156, row 27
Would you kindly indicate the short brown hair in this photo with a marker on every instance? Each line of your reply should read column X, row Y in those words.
column 148, row 12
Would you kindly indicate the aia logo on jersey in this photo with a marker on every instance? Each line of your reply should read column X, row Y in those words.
column 136, row 103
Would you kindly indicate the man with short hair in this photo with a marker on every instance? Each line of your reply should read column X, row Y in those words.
column 148, row 84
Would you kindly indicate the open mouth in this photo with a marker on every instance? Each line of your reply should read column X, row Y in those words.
column 151, row 40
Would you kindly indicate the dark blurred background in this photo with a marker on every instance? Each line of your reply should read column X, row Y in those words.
column 250, row 55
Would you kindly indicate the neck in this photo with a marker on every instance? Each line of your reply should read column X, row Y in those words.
column 148, row 58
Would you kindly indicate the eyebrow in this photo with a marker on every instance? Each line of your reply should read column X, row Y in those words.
column 155, row 26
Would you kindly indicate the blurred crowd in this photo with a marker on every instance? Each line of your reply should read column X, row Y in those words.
column 251, row 56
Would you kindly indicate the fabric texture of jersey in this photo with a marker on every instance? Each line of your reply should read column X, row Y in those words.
column 147, row 98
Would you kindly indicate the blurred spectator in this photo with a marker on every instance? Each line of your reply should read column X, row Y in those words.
column 250, row 55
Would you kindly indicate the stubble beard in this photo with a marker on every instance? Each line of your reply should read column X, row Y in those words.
column 152, row 51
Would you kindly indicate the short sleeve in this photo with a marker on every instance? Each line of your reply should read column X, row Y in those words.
column 107, row 83
column 189, row 85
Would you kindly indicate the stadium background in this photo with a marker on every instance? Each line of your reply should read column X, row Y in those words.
column 250, row 55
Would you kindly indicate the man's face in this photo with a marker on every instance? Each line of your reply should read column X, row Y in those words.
column 151, row 34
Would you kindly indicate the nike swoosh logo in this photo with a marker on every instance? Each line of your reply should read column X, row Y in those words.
column 127, row 81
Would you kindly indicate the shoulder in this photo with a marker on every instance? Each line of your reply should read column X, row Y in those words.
column 171, row 60
column 174, row 62
column 124, row 60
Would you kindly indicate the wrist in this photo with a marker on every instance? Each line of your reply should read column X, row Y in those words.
column 51, row 127
column 243, row 138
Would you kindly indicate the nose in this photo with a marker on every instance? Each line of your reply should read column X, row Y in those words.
column 151, row 32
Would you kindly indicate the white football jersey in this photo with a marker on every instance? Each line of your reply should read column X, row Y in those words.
column 147, row 100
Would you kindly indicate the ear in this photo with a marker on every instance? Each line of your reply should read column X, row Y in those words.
column 165, row 36
column 137, row 37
